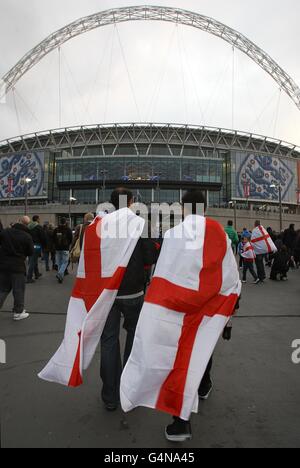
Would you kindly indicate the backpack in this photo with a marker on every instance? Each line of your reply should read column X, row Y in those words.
column 76, row 250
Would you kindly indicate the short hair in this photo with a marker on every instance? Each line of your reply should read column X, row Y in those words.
column 120, row 192
column 257, row 223
column 35, row 218
column 63, row 221
column 230, row 223
column 194, row 198
column 89, row 217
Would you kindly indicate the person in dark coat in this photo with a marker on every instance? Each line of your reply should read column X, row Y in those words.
column 281, row 264
column 49, row 249
column 39, row 242
column 62, row 238
column 15, row 246
column 289, row 238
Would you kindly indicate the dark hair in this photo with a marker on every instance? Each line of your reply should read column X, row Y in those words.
column 63, row 221
column 194, row 198
column 120, row 192
column 230, row 223
column 257, row 223
column 35, row 218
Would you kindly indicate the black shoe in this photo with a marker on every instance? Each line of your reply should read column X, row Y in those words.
column 38, row 276
column 30, row 281
column 179, row 431
column 111, row 407
column 205, row 390
column 59, row 279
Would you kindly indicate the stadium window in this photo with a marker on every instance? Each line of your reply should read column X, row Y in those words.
column 109, row 149
column 176, row 150
column 160, row 150
column 124, row 150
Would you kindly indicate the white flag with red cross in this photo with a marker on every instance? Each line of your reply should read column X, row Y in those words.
column 262, row 241
column 193, row 294
column 108, row 245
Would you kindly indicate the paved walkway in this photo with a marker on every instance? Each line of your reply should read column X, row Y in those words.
column 256, row 400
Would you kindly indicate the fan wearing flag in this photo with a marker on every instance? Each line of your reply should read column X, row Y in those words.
column 249, row 257
column 263, row 245
column 194, row 292
column 108, row 245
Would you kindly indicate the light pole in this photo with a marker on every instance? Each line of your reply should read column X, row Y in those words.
column 71, row 199
column 233, row 204
column 280, row 204
column 27, row 181
column 104, row 174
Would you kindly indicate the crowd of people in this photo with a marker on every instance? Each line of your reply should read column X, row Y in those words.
column 283, row 251
column 26, row 242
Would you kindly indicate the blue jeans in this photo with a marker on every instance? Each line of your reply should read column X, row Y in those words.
column 111, row 361
column 62, row 261
column 33, row 264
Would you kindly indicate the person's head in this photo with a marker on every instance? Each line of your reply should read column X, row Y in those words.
column 283, row 248
column 292, row 227
column 25, row 220
column 257, row 223
column 36, row 219
column 63, row 221
column 120, row 197
column 88, row 218
column 230, row 223
column 245, row 240
column 194, row 203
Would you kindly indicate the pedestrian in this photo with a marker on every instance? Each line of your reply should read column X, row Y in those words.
column 281, row 264
column 1, row 226
column 62, row 238
column 194, row 291
column 15, row 246
column 128, row 304
column 297, row 250
column 39, row 242
column 249, row 257
column 49, row 249
column 232, row 234
column 263, row 245
column 77, row 243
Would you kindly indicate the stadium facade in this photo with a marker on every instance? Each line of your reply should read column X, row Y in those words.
column 157, row 161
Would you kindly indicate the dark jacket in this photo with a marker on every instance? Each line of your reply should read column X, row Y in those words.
column 62, row 238
column 144, row 254
column 289, row 238
column 15, row 246
column 49, row 236
column 281, row 261
column 37, row 234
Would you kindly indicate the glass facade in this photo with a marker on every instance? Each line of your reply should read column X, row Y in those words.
column 119, row 168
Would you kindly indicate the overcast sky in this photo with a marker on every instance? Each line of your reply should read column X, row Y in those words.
column 148, row 71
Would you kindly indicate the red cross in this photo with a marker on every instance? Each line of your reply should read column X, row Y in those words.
column 207, row 301
column 90, row 288
column 264, row 237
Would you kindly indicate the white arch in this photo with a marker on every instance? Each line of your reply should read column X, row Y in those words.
column 153, row 13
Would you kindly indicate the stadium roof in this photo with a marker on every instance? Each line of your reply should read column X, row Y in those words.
column 148, row 134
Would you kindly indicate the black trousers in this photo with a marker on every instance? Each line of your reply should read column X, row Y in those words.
column 15, row 283
column 249, row 266
column 111, row 361
column 261, row 273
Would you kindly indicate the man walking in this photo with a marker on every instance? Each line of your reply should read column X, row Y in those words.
column 63, row 238
column 15, row 246
column 39, row 242
column 232, row 234
column 128, row 304
column 263, row 245
column 194, row 292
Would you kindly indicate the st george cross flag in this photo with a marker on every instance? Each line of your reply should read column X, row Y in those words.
column 193, row 294
column 262, row 241
column 108, row 245
column 248, row 253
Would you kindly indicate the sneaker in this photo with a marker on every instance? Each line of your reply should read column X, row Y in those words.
column 256, row 281
column 18, row 317
column 244, row 281
column 205, row 390
column 179, row 431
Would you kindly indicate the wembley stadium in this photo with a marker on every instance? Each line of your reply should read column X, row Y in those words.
column 69, row 171
column 76, row 168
